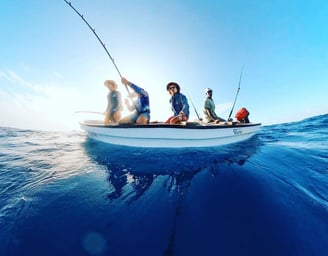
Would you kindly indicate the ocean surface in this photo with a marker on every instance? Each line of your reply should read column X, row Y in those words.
column 64, row 194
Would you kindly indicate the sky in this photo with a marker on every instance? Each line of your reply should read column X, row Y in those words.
column 52, row 65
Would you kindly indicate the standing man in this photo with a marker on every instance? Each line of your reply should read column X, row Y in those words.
column 114, row 103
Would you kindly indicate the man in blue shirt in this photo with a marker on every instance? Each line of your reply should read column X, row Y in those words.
column 179, row 104
column 139, row 107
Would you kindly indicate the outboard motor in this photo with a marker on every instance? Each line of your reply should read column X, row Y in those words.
column 242, row 115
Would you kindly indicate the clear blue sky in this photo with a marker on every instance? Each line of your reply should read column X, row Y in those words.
column 52, row 65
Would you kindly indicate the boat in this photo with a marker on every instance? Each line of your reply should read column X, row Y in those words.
column 161, row 135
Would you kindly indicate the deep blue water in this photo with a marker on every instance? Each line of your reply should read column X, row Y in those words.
column 64, row 194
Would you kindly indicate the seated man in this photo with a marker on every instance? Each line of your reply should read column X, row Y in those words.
column 209, row 108
column 179, row 104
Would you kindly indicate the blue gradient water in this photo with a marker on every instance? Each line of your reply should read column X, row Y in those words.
column 64, row 194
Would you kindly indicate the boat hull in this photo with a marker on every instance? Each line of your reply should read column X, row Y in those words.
column 159, row 135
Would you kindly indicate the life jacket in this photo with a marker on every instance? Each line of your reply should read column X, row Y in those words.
column 242, row 115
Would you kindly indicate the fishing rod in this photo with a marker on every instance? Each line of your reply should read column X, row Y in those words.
column 101, row 42
column 89, row 112
column 199, row 119
column 241, row 73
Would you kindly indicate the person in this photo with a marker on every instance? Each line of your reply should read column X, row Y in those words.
column 114, row 103
column 139, row 107
column 209, row 108
column 179, row 104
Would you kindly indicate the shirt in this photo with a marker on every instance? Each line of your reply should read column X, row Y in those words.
column 114, row 101
column 179, row 103
column 142, row 102
column 210, row 106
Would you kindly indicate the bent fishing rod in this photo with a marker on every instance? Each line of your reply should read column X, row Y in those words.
column 241, row 73
column 101, row 42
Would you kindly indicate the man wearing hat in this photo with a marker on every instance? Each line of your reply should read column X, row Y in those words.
column 179, row 104
column 114, row 103
column 209, row 108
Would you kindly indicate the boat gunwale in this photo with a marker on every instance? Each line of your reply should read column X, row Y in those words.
column 188, row 125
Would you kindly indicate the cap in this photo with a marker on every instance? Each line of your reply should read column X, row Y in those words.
column 208, row 90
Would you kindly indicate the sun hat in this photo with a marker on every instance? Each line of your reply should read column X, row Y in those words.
column 174, row 84
column 112, row 82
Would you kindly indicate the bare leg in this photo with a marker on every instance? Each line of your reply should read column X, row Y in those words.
column 106, row 119
column 116, row 116
column 142, row 120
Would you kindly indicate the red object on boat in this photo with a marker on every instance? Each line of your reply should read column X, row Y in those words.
column 242, row 114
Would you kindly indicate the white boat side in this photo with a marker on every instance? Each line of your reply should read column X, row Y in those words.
column 159, row 135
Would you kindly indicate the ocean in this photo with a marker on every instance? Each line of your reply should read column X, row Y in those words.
column 62, row 193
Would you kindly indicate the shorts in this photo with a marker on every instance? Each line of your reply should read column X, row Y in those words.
column 135, row 116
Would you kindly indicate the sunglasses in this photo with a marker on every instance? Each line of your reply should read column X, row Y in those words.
column 172, row 88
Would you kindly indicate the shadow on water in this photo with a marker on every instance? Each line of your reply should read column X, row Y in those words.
column 140, row 167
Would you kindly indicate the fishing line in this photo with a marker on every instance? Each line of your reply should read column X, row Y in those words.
column 241, row 73
column 101, row 42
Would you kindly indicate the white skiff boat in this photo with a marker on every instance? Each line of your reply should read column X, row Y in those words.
column 160, row 135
